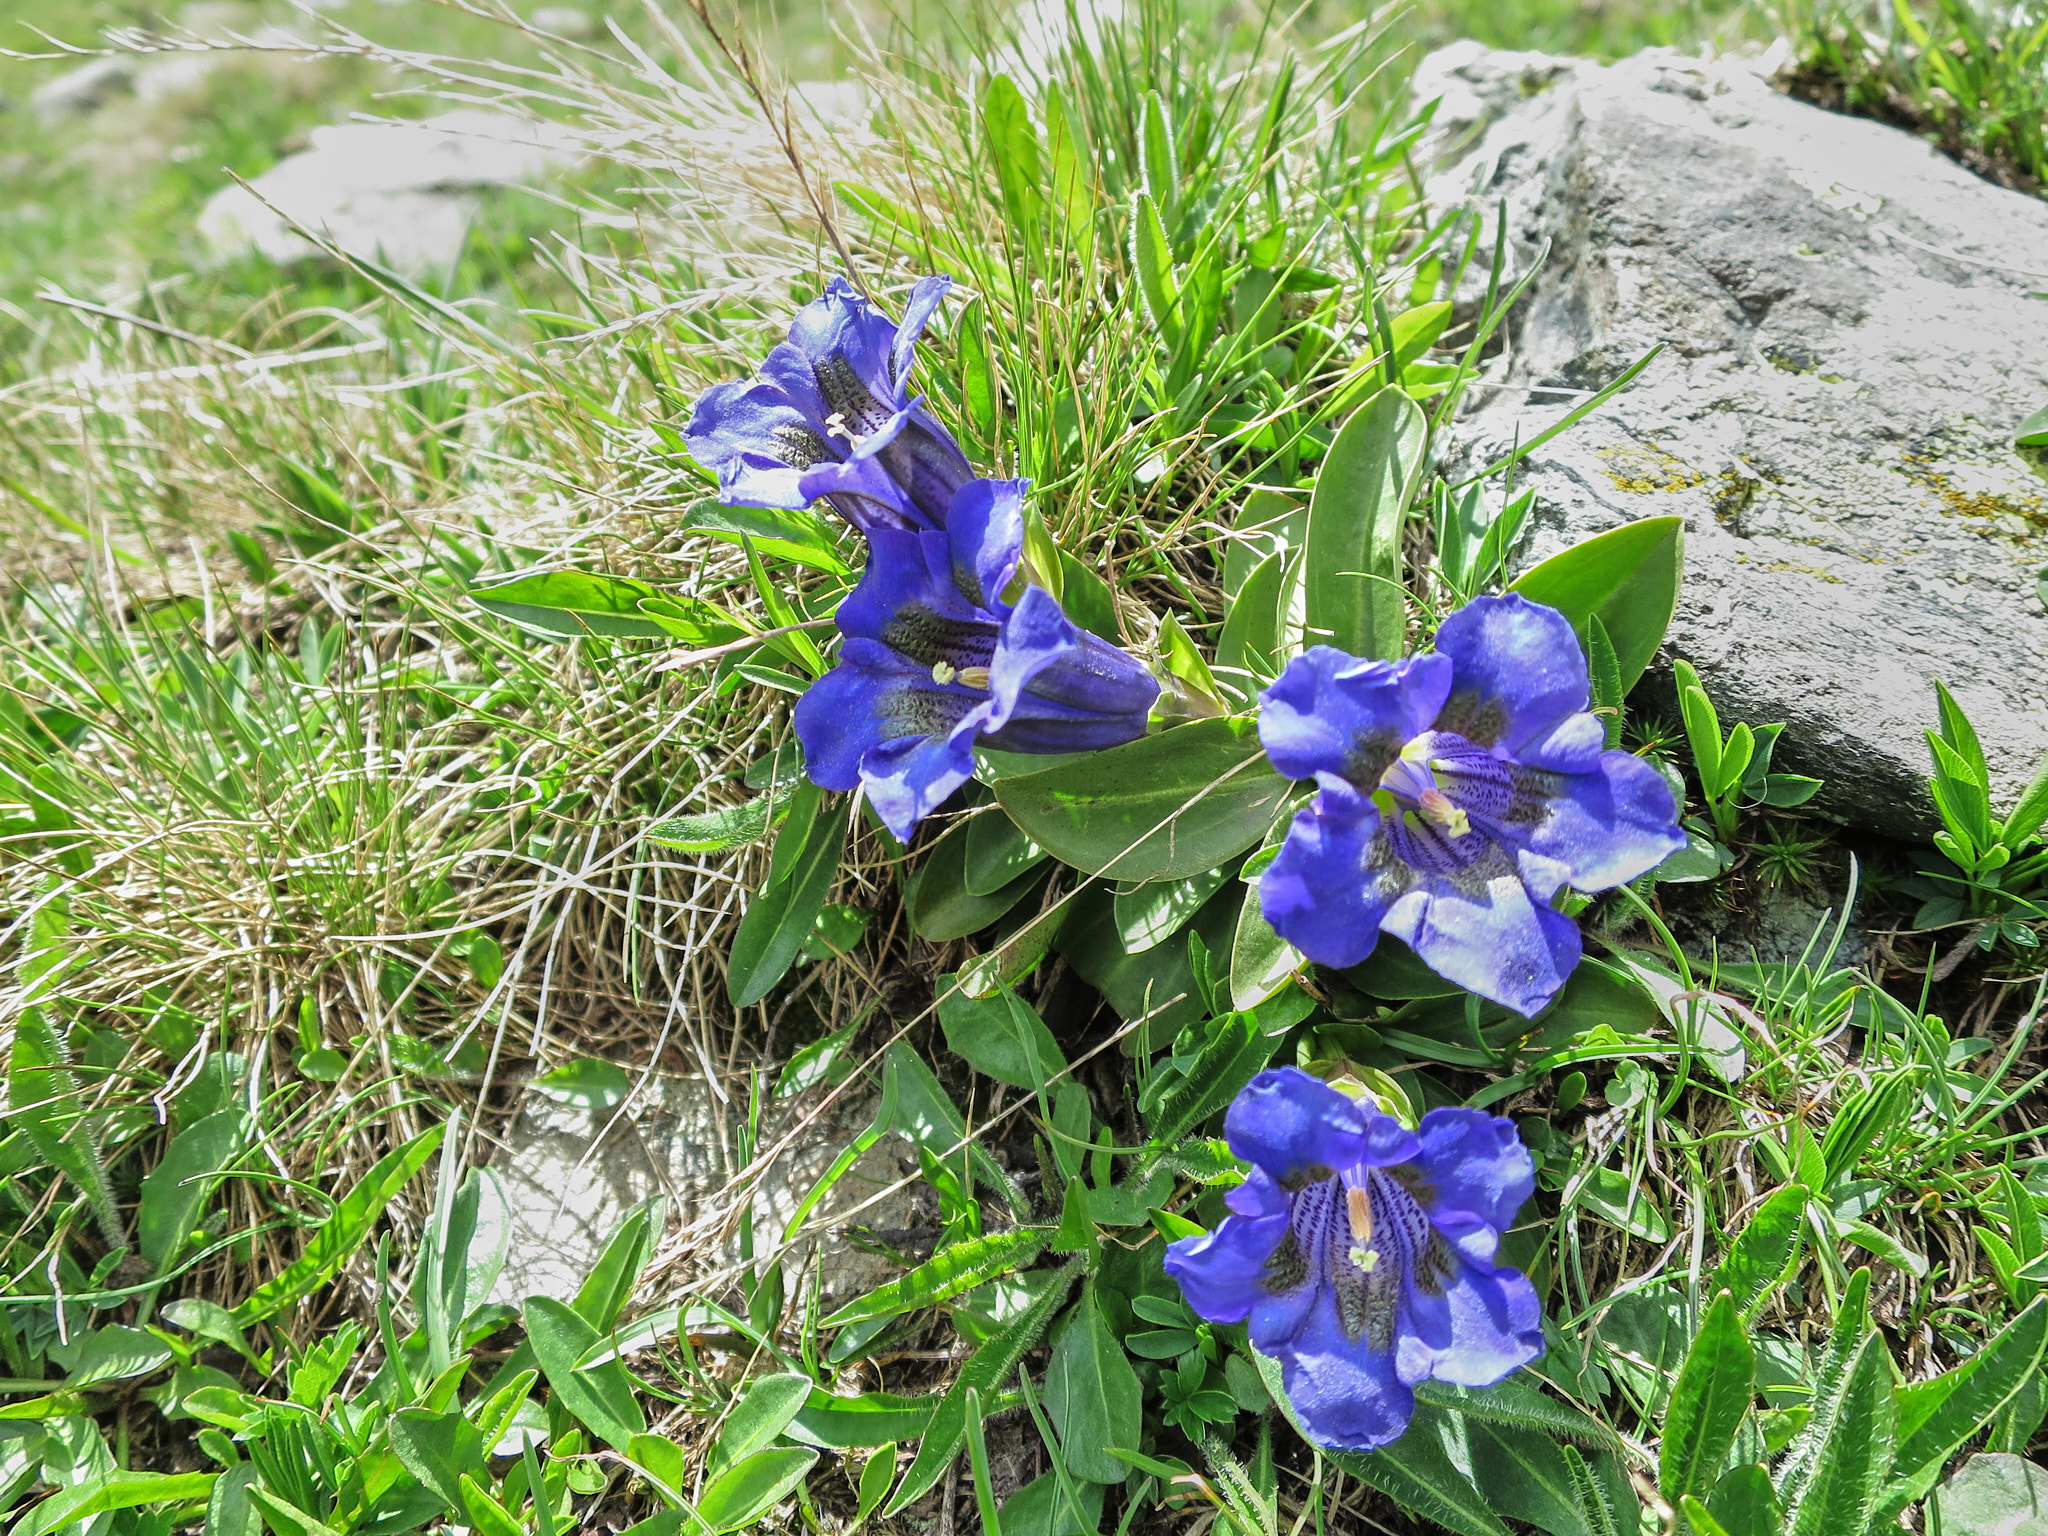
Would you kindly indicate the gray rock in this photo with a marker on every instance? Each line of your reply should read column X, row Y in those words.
column 400, row 193
column 571, row 1173
column 1995, row 1494
column 84, row 90
column 1850, row 338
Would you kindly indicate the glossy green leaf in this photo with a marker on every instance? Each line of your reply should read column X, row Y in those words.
column 1744, row 1503
column 1260, row 960
column 1994, row 1493
column 997, row 854
column 780, row 917
column 872, row 1418
column 987, row 1370
column 1073, row 187
column 876, row 1479
column 575, row 603
column 117, row 1353
column 1147, row 915
column 941, row 907
column 1253, row 634
column 1352, row 568
column 1164, row 807
column 601, row 1397
column 1709, row 1403
column 1001, row 1036
column 1092, row 1394
column 931, row 1120
column 337, row 1239
column 1629, row 576
column 484, row 1514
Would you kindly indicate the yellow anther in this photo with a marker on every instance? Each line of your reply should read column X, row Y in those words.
column 1364, row 1258
column 942, row 673
column 1358, row 1206
column 1437, row 809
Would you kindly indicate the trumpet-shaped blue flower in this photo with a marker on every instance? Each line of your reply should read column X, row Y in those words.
column 1458, row 792
column 831, row 417
column 935, row 658
column 1361, row 1253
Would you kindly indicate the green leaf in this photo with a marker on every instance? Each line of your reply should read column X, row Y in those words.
column 873, row 1418
column 749, row 1490
column 1092, row 1394
column 1001, row 1036
column 1020, row 170
column 1628, row 576
column 600, row 1397
column 766, row 1410
column 229, row 1510
column 586, row 1081
column 876, row 1477
column 1236, row 1050
column 800, row 537
column 1416, row 1471
column 1252, row 634
column 285, row 1518
column 124, row 1490
column 1851, row 1461
column 575, row 603
column 1958, row 733
column 1935, row 1417
column 989, row 1368
column 1040, row 1508
column 460, row 1254
column 945, row 1275
column 1158, row 156
column 338, row 1238
column 1415, row 331
column 176, row 1190
column 616, row 1273
column 941, row 906
column 1152, row 260
column 1355, row 599
column 1147, row 915
column 485, row 1515
column 731, row 826
column 1744, row 1503
column 1759, row 1259
column 780, row 917
column 1073, row 188
column 1526, row 1477
column 116, row 1353
column 1709, row 1403
column 931, row 1120
column 1164, row 807
column 1260, row 960
column 998, row 854
column 437, row 1448
column 1596, row 1509
column 2027, row 813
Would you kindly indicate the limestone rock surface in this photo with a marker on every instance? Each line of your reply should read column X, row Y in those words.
column 400, row 193
column 1852, row 327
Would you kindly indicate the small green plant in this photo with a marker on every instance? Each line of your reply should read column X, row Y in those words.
column 1734, row 770
column 1989, row 872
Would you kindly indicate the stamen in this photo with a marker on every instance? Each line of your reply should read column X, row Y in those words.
column 944, row 673
column 835, row 426
column 974, row 677
column 1358, row 1206
column 1437, row 809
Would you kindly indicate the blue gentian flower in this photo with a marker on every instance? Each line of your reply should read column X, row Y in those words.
column 1361, row 1253
column 1458, row 793
column 936, row 658
column 831, row 417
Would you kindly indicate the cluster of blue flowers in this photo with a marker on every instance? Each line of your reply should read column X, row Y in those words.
column 948, row 639
column 1457, row 793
